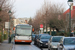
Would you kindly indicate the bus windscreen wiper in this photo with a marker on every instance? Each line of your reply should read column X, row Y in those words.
column 18, row 34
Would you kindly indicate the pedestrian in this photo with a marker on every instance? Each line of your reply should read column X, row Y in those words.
column 71, row 34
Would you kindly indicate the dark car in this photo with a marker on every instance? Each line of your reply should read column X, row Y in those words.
column 37, row 40
column 43, row 40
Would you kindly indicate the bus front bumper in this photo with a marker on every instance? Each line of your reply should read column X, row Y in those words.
column 28, row 41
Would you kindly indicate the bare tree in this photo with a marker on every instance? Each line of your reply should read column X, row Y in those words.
column 30, row 21
column 5, row 6
column 48, row 15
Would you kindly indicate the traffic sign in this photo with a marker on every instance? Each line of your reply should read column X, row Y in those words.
column 7, row 25
column 41, row 26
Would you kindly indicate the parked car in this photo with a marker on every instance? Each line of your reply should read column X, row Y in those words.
column 52, row 43
column 67, row 43
column 43, row 40
column 37, row 40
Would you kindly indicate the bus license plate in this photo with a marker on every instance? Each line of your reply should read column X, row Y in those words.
column 23, row 41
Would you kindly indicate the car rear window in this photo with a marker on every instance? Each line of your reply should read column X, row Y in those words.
column 69, row 41
column 56, row 39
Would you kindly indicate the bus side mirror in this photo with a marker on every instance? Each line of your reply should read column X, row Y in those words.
column 32, row 29
column 14, row 28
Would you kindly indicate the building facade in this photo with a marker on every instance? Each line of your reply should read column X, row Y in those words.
column 66, row 17
column 20, row 21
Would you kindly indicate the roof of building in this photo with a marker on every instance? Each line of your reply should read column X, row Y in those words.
column 72, row 12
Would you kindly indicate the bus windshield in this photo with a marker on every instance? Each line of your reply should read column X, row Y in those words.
column 23, row 31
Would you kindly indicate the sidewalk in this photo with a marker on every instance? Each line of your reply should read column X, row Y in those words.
column 6, row 46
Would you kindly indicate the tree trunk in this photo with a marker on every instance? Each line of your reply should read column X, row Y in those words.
column 46, row 28
column 50, row 30
column 53, row 29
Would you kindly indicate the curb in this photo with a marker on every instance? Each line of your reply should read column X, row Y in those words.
column 11, row 46
column 6, row 46
column 0, row 43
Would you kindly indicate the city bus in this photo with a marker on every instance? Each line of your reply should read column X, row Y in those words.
column 23, row 33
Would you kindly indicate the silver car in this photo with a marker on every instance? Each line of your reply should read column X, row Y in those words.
column 53, row 42
column 67, row 43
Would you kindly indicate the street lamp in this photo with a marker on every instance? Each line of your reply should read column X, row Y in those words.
column 9, row 40
column 70, row 2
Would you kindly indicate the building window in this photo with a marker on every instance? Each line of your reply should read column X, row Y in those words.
column 67, row 17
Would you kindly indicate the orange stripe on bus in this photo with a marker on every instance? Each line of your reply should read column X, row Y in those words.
column 23, row 40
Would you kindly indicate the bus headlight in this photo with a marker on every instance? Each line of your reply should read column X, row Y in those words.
column 29, row 38
column 16, row 37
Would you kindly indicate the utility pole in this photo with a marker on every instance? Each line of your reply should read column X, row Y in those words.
column 70, row 2
column 9, row 40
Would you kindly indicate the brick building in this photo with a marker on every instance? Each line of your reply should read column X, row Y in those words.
column 66, row 17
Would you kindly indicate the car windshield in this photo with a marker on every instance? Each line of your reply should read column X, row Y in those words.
column 69, row 41
column 42, row 34
column 56, row 39
column 45, row 37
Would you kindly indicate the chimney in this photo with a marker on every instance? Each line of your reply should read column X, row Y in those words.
column 72, row 6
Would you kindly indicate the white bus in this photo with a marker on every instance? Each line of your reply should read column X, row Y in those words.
column 23, row 33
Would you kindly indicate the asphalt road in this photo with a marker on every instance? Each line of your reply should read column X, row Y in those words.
column 26, row 47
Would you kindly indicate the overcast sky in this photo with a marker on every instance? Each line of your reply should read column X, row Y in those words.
column 28, row 8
